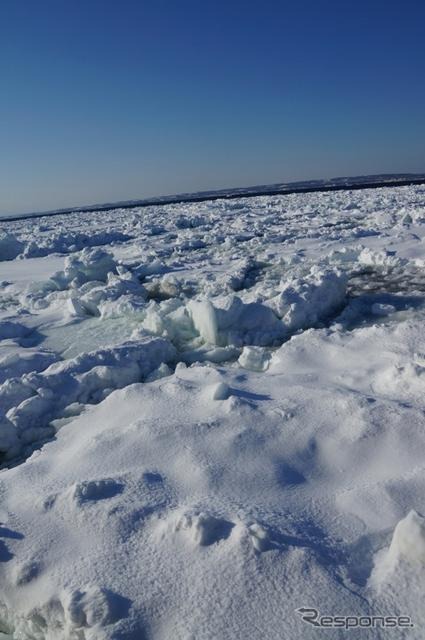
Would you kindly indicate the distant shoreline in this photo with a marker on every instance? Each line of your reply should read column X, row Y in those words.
column 336, row 184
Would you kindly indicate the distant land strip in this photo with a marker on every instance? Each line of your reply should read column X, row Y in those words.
column 336, row 184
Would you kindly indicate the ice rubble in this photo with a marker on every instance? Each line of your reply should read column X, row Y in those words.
column 91, row 264
column 383, row 258
column 32, row 402
column 97, row 286
column 69, row 242
column 227, row 321
column 12, row 246
column 304, row 302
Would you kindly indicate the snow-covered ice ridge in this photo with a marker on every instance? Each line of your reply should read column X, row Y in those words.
column 211, row 415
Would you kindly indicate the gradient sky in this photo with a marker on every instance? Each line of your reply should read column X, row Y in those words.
column 105, row 100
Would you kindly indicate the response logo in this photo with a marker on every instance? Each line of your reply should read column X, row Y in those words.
column 312, row 616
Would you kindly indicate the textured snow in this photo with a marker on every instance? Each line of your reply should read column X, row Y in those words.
column 211, row 415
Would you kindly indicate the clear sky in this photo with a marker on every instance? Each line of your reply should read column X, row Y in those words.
column 105, row 100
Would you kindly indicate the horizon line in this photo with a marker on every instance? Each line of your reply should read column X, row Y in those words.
column 278, row 188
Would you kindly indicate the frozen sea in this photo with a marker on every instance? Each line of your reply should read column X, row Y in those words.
column 212, row 414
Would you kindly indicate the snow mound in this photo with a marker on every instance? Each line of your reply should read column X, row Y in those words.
column 220, row 391
column 409, row 539
column 254, row 359
column 250, row 323
column 405, row 554
column 81, row 613
column 260, row 537
column 204, row 529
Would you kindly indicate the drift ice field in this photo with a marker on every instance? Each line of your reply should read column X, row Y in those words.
column 212, row 415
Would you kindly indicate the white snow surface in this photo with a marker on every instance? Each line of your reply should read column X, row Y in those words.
column 212, row 415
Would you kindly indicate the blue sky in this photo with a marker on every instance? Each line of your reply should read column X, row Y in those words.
column 104, row 100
